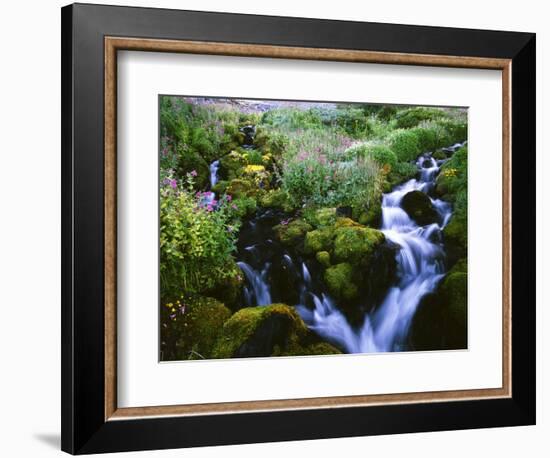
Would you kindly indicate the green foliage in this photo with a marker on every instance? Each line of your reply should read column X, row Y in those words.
column 405, row 144
column 191, row 326
column 411, row 117
column 196, row 242
column 379, row 152
column 254, row 157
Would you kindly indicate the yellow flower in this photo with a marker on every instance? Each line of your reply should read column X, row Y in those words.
column 254, row 169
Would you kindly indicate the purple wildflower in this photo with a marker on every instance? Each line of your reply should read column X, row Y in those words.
column 193, row 173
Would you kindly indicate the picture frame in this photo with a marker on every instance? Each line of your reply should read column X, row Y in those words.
column 92, row 35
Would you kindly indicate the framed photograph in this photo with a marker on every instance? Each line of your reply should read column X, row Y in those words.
column 281, row 228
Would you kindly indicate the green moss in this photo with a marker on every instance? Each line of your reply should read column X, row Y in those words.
column 455, row 292
column 246, row 206
column 460, row 266
column 456, row 234
column 318, row 240
column 239, row 188
column 232, row 165
column 277, row 198
column 439, row 155
column 293, row 232
column 193, row 329
column 230, row 288
column 356, row 244
column 220, row 187
column 320, row 217
column 273, row 330
column 419, row 207
column 323, row 257
column 339, row 279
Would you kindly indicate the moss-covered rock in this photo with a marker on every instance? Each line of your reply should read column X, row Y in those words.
column 245, row 206
column 323, row 258
column 230, row 289
column 189, row 161
column 232, row 165
column 439, row 155
column 274, row 330
column 419, row 207
column 191, row 327
column 455, row 235
column 341, row 282
column 292, row 232
column 355, row 243
column 455, row 291
column 322, row 217
column 318, row 240
column 239, row 188
column 277, row 198
column 440, row 322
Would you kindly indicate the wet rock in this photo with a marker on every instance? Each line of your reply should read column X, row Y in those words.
column 356, row 244
column 340, row 280
column 440, row 322
column 318, row 240
column 323, row 258
column 419, row 208
column 292, row 232
column 344, row 212
column 273, row 330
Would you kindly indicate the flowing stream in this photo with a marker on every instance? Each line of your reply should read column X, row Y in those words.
column 274, row 276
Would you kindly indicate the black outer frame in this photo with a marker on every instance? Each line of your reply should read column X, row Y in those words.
column 84, row 429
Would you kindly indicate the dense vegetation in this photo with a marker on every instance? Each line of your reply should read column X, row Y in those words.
column 325, row 166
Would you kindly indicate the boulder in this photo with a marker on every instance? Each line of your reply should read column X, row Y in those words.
column 323, row 258
column 355, row 244
column 273, row 330
column 341, row 281
column 419, row 207
column 318, row 240
column 293, row 232
column 440, row 322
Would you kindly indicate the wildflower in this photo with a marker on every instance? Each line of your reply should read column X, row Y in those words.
column 234, row 207
column 228, row 197
column 173, row 184
column 193, row 173
column 209, row 208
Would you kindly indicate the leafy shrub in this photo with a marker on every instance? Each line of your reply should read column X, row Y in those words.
column 379, row 152
column 411, row 117
column 405, row 144
column 196, row 240
column 254, row 157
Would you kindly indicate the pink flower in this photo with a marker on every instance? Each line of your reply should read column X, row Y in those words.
column 209, row 208
column 173, row 184
column 193, row 173
column 234, row 207
column 228, row 197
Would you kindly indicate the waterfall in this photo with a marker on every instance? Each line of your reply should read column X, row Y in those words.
column 258, row 292
column 214, row 173
column 420, row 266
